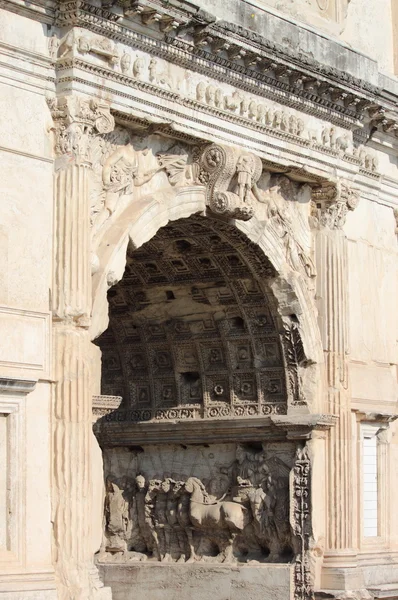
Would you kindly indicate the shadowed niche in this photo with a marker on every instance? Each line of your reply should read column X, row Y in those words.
column 193, row 329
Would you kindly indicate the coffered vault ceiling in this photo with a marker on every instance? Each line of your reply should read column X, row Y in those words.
column 192, row 329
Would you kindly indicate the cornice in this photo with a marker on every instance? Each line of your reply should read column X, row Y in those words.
column 10, row 385
column 242, row 57
column 111, row 433
column 66, row 75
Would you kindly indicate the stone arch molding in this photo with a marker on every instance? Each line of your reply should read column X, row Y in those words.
column 227, row 184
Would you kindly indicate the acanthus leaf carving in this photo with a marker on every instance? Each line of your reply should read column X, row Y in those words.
column 331, row 202
column 295, row 357
column 76, row 121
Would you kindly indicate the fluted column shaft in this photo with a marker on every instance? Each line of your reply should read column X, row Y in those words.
column 72, row 463
column 331, row 253
column 72, row 279
column 76, row 121
column 72, row 410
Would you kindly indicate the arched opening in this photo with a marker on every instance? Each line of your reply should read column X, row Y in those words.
column 194, row 330
column 204, row 350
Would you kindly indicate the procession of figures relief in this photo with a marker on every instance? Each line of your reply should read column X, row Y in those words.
column 221, row 503
column 194, row 89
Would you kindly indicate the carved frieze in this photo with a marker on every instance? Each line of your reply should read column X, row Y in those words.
column 85, row 43
column 210, row 42
column 227, row 503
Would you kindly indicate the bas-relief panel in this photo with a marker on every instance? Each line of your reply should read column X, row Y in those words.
column 217, row 503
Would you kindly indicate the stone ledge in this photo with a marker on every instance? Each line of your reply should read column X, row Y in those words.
column 197, row 581
column 16, row 386
column 122, row 433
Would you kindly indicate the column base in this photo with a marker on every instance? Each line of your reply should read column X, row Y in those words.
column 104, row 593
column 347, row 576
column 340, row 571
column 29, row 586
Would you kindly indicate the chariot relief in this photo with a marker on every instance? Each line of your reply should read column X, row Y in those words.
column 226, row 512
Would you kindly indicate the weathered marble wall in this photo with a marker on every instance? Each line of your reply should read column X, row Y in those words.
column 317, row 140
column 25, row 282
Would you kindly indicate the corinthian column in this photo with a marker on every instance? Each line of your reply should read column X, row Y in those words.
column 76, row 121
column 331, row 204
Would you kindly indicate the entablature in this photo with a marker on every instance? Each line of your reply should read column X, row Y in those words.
column 188, row 36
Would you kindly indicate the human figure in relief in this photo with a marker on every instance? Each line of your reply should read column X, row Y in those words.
column 121, row 173
column 116, row 518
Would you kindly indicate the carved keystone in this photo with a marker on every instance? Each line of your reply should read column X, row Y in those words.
column 232, row 173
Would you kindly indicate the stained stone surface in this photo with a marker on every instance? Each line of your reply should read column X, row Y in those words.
column 197, row 582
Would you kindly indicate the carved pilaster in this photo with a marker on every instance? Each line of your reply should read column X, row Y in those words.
column 331, row 205
column 301, row 523
column 72, row 431
column 76, row 122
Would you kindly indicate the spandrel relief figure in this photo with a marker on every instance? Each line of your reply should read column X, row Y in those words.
column 180, row 168
column 280, row 220
column 121, row 173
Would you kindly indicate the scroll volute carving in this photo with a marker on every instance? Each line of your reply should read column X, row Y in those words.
column 76, row 121
column 232, row 175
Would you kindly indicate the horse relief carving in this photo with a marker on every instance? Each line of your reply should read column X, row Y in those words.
column 239, row 515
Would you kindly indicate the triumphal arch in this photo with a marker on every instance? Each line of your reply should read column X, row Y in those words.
column 207, row 409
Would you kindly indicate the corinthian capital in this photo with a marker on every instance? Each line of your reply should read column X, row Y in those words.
column 76, row 120
column 331, row 203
